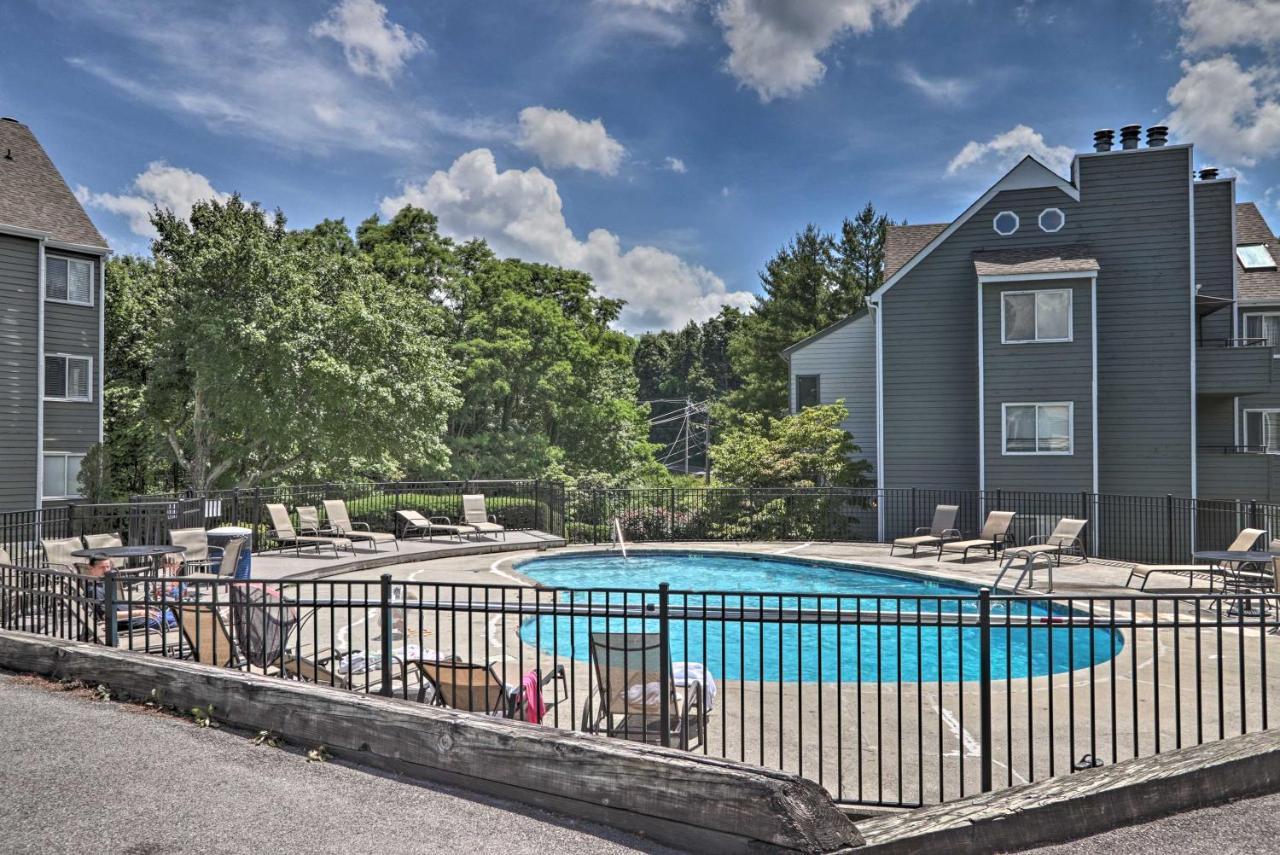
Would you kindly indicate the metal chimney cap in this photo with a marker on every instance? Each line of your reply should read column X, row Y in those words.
column 1209, row 173
column 1130, row 136
column 1157, row 135
column 1103, row 139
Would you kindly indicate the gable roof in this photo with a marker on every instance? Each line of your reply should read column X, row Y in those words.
column 1028, row 174
column 902, row 242
column 33, row 195
column 1075, row 258
column 1256, row 286
column 825, row 331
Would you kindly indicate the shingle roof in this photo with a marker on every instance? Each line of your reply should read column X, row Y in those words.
column 1040, row 259
column 901, row 244
column 1256, row 286
column 33, row 194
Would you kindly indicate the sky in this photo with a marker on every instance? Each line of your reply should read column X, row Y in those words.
column 666, row 147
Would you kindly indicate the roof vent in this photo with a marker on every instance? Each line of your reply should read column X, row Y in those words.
column 1103, row 139
column 1157, row 135
column 8, row 154
column 1130, row 135
column 1209, row 173
column 9, row 119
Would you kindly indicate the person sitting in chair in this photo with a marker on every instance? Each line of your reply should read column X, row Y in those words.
column 126, row 613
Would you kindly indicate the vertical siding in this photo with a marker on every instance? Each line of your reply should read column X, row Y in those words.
column 930, row 345
column 1215, row 254
column 1136, row 210
column 73, row 426
column 19, row 307
column 845, row 361
column 1039, row 373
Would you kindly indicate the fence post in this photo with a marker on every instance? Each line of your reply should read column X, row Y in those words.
column 387, row 627
column 257, row 515
column 1084, row 515
column 671, row 518
column 984, row 684
column 1168, row 528
column 664, row 664
column 109, row 607
column 71, row 520
column 1253, row 513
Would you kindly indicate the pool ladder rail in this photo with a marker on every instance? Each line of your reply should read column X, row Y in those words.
column 1027, row 573
column 617, row 536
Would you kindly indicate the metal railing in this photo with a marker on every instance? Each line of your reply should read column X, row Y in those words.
column 883, row 700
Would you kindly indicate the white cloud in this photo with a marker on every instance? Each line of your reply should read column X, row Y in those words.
column 1232, row 111
column 942, row 90
column 774, row 46
column 1003, row 151
column 252, row 76
column 675, row 164
column 520, row 213
column 669, row 6
column 560, row 140
column 160, row 186
column 1219, row 24
column 373, row 46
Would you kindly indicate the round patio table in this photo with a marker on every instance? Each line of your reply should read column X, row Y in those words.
column 155, row 553
column 1233, row 558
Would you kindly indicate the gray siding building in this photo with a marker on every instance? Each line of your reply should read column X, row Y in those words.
column 51, row 304
column 1112, row 333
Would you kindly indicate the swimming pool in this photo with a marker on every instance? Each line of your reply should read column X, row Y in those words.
column 753, row 649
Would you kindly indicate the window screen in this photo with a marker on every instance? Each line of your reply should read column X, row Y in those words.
column 806, row 391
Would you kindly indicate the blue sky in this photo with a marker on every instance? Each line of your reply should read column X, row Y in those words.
column 668, row 147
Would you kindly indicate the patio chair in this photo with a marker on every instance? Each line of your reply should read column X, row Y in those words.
column 1066, row 538
column 57, row 552
column 474, row 688
column 284, row 534
column 943, row 528
column 197, row 556
column 474, row 515
column 340, row 523
column 87, row 624
column 993, row 537
column 226, row 566
column 412, row 521
column 106, row 541
column 1245, row 540
column 208, row 639
column 626, row 701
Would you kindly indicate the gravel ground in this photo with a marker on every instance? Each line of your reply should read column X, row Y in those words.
column 1238, row 828
column 81, row 775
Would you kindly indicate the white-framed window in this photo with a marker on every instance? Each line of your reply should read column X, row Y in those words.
column 1038, row 428
column 1052, row 220
column 1255, row 257
column 808, row 391
column 1262, row 430
column 68, row 280
column 1005, row 223
column 67, row 377
column 1035, row 316
column 61, row 475
column 1263, row 327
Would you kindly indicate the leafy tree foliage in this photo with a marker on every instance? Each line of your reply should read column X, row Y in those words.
column 812, row 282
column 807, row 449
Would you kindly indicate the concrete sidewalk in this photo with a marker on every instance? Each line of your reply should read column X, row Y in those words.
column 82, row 775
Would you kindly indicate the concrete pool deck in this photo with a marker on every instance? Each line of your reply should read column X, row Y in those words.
column 873, row 742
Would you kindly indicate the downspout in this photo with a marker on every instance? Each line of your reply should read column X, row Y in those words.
column 40, row 293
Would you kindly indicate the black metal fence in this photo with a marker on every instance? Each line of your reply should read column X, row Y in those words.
column 1147, row 529
column 883, row 700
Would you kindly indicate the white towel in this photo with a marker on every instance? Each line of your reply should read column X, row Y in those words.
column 684, row 673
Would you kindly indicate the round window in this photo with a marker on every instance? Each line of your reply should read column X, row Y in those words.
column 1052, row 219
column 1006, row 223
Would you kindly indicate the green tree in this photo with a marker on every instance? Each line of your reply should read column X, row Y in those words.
column 274, row 359
column 807, row 449
column 812, row 282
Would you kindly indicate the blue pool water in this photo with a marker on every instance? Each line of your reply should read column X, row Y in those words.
column 808, row 652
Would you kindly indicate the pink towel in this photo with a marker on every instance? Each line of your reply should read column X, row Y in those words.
column 534, row 707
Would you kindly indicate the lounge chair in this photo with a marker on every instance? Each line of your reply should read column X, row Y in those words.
column 340, row 523
column 943, row 528
column 106, row 541
column 208, row 641
column 1065, row 539
column 474, row 515
column 195, row 542
column 993, row 537
column 412, row 521
column 626, row 701
column 57, row 553
column 284, row 534
column 89, row 625
column 474, row 688
column 1245, row 541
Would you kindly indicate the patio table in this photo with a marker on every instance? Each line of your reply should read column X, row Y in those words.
column 1231, row 560
column 155, row 553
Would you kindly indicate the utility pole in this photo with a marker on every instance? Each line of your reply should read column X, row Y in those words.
column 688, row 405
